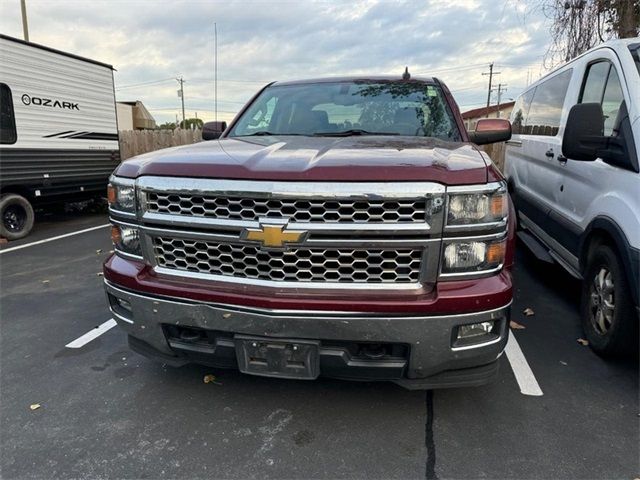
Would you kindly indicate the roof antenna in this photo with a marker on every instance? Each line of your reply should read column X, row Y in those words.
column 406, row 75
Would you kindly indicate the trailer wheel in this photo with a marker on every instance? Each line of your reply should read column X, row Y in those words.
column 17, row 216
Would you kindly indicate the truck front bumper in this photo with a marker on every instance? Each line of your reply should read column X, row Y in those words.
column 415, row 351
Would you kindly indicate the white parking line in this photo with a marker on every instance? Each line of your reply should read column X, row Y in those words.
column 92, row 334
column 20, row 247
column 526, row 380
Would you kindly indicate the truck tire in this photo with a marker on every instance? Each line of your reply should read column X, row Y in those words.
column 608, row 319
column 16, row 214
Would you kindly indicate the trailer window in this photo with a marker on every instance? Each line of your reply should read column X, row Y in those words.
column 7, row 116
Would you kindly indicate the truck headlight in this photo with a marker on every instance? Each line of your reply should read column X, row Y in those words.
column 121, row 194
column 126, row 239
column 474, row 208
column 473, row 256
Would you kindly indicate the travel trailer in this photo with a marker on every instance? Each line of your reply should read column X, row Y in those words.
column 58, row 130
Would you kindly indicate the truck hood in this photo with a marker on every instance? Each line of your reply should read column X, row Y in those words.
column 302, row 158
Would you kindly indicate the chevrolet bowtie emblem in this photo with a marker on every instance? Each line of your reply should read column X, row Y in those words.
column 273, row 236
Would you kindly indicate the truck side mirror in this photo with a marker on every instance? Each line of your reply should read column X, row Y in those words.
column 583, row 134
column 213, row 130
column 491, row 130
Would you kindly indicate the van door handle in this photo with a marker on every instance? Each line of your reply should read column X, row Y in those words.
column 549, row 153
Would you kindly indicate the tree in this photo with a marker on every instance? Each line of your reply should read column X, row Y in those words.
column 192, row 123
column 578, row 25
column 167, row 126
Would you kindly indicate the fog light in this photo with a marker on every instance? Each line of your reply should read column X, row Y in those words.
column 474, row 330
column 475, row 334
column 122, row 303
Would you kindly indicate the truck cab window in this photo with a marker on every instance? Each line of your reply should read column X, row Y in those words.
column 7, row 116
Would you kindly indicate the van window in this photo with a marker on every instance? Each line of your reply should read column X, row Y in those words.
column 546, row 107
column 602, row 85
column 520, row 111
column 594, row 84
column 7, row 116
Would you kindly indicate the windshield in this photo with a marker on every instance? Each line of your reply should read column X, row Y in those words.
column 350, row 108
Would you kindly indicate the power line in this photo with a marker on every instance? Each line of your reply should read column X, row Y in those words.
column 151, row 82
column 199, row 109
column 448, row 69
column 195, row 80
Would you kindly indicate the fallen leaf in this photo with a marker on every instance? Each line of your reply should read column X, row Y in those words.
column 45, row 281
column 528, row 312
column 3, row 241
column 209, row 378
column 226, row 315
column 583, row 342
column 563, row 363
column 100, row 274
column 516, row 325
column 34, row 406
column 99, row 250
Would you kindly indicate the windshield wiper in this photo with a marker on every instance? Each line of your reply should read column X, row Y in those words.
column 350, row 132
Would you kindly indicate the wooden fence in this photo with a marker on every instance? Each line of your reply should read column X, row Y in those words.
column 135, row 142
column 496, row 152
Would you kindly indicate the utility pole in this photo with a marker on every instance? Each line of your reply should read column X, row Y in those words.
column 181, row 95
column 491, row 73
column 215, row 70
column 500, row 91
column 25, row 25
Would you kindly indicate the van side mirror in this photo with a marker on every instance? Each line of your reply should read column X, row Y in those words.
column 584, row 132
column 491, row 130
column 213, row 130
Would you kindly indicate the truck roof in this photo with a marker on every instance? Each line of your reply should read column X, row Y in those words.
column 367, row 78
column 59, row 52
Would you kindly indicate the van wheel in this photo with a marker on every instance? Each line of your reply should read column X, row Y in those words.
column 17, row 216
column 607, row 310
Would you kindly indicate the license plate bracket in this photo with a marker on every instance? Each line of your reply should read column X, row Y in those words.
column 283, row 358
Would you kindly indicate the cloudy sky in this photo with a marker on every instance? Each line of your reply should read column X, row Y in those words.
column 150, row 43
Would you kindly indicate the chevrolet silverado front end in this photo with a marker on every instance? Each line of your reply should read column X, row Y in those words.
column 339, row 227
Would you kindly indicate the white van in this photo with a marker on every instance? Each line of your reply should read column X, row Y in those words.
column 573, row 173
column 58, row 130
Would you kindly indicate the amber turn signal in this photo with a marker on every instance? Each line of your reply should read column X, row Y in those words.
column 496, row 252
column 111, row 194
column 116, row 236
column 498, row 206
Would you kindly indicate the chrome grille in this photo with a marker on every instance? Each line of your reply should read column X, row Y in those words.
column 297, row 210
column 327, row 265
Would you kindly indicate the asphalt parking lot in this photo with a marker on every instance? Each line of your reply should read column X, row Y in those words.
column 106, row 412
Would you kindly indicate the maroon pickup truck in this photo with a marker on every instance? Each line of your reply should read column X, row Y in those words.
column 343, row 227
